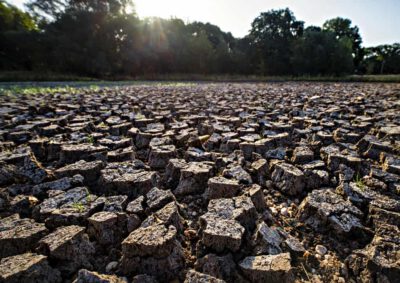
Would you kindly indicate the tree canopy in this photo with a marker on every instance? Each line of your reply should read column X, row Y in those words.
column 350, row 34
column 105, row 38
column 318, row 52
column 13, row 19
column 272, row 34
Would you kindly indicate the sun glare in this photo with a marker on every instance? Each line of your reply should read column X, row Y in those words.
column 163, row 8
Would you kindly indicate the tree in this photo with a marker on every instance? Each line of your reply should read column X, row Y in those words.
column 47, row 9
column 52, row 9
column 344, row 31
column 272, row 33
column 19, row 39
column 245, row 56
column 321, row 53
column 383, row 59
column 105, row 38
column 222, row 46
column 88, row 37
column 13, row 19
column 200, row 52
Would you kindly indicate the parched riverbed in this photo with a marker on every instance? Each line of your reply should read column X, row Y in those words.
column 224, row 182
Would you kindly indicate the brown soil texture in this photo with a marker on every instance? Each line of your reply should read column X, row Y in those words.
column 202, row 182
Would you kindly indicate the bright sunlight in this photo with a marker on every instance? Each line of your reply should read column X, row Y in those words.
column 187, row 10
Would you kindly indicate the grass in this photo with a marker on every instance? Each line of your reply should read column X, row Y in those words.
column 27, row 90
column 90, row 139
column 139, row 116
column 360, row 182
column 12, row 89
column 375, row 78
column 24, row 76
column 89, row 198
column 305, row 272
column 34, row 90
column 38, row 164
column 78, row 206
column 74, row 84
column 257, row 78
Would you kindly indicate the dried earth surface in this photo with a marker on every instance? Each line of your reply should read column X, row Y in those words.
column 279, row 182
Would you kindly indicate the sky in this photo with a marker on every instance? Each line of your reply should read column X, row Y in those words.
column 378, row 20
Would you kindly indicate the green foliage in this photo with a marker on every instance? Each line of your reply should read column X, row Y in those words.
column 30, row 76
column 17, row 38
column 346, row 33
column 272, row 34
column 78, row 206
column 20, row 90
column 139, row 116
column 320, row 53
column 106, row 39
column 89, row 198
column 383, row 59
column 13, row 19
column 360, row 182
column 90, row 139
column 53, row 9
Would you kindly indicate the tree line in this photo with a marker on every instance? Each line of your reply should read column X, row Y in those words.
column 105, row 38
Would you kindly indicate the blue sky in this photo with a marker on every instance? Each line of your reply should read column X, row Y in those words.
column 378, row 20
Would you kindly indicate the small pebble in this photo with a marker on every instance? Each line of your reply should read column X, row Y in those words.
column 274, row 211
column 321, row 250
column 111, row 266
column 284, row 211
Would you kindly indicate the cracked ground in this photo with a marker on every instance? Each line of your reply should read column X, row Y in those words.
column 224, row 182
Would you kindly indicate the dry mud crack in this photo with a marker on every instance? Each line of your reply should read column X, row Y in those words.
column 284, row 182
